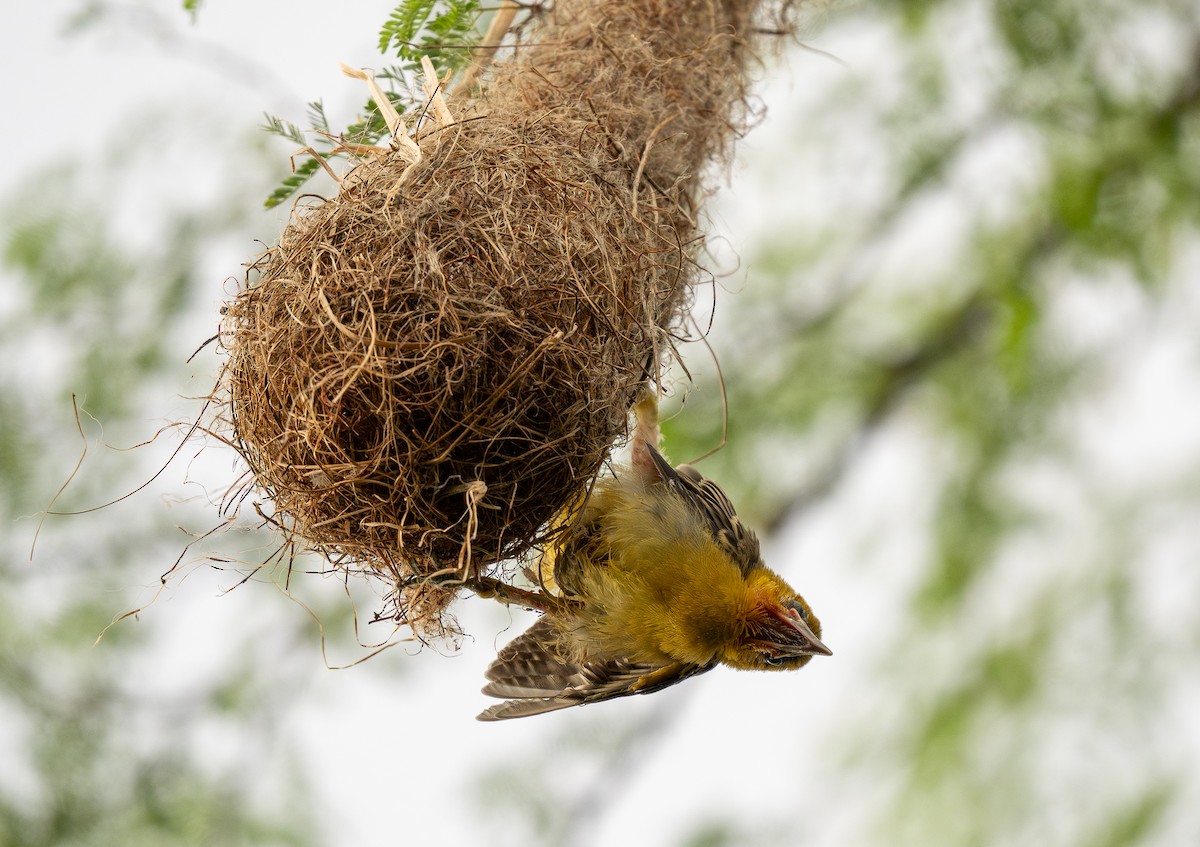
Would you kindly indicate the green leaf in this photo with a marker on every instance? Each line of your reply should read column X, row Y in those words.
column 317, row 118
column 405, row 22
column 292, row 184
column 284, row 129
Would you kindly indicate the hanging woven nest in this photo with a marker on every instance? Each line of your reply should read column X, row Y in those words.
column 427, row 367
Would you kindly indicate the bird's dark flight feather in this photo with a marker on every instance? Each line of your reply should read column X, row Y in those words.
column 535, row 678
column 707, row 498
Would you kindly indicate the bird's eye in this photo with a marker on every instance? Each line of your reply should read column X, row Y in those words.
column 774, row 661
column 798, row 611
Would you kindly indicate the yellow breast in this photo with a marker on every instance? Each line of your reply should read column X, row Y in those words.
column 656, row 587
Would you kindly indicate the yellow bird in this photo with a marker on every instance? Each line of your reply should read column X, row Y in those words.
column 656, row 580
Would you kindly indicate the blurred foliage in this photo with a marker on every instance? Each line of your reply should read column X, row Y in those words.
column 96, row 753
column 1008, row 231
column 110, row 263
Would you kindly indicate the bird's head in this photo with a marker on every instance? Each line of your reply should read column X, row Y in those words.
column 780, row 631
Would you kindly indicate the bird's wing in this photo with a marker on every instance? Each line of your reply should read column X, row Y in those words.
column 706, row 496
column 534, row 678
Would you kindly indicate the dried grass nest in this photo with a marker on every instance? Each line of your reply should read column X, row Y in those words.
column 430, row 365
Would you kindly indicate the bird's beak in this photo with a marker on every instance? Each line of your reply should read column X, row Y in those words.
column 791, row 636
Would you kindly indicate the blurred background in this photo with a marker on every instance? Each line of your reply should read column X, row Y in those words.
column 957, row 311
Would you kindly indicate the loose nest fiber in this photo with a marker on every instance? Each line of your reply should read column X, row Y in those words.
column 430, row 365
